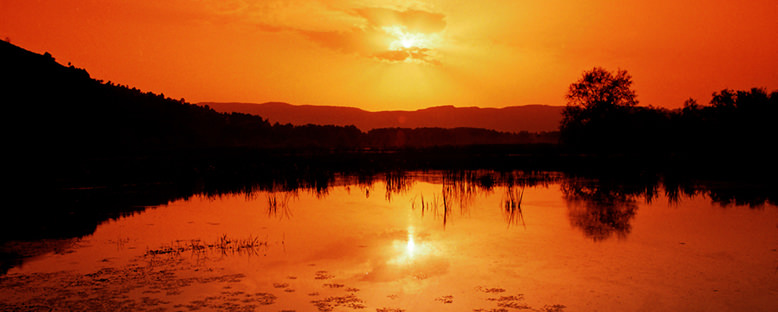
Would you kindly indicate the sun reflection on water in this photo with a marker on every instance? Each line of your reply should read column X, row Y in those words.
column 410, row 250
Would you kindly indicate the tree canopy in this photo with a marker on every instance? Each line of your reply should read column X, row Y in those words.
column 599, row 88
column 602, row 116
column 594, row 105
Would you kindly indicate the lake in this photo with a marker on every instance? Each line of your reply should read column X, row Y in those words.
column 420, row 241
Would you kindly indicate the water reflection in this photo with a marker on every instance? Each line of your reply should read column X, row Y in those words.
column 424, row 241
column 397, row 183
column 278, row 203
column 407, row 250
column 412, row 256
column 459, row 191
column 511, row 205
column 603, row 207
column 600, row 207
column 599, row 211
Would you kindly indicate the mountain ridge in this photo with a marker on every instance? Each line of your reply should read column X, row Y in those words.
column 529, row 118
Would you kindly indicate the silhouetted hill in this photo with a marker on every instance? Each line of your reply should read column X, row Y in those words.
column 60, row 110
column 531, row 118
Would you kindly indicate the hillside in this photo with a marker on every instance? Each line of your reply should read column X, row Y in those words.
column 531, row 118
column 60, row 110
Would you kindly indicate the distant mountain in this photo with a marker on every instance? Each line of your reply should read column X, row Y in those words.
column 532, row 118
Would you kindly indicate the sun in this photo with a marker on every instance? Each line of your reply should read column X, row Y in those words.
column 406, row 46
column 404, row 40
column 408, row 42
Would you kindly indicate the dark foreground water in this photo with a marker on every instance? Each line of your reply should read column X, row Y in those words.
column 475, row 241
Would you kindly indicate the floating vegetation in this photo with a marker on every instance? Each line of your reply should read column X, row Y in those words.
column 323, row 275
column 230, row 303
column 118, row 289
column 508, row 298
column 489, row 290
column 264, row 298
column 445, row 299
column 330, row 303
column 334, row 285
column 553, row 308
column 511, row 302
column 157, row 287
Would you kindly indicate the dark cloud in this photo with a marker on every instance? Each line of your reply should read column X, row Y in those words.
column 418, row 54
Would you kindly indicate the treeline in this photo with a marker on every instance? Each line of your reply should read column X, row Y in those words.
column 59, row 109
column 424, row 137
column 56, row 111
column 602, row 116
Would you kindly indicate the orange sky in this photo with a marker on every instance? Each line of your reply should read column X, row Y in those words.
column 380, row 55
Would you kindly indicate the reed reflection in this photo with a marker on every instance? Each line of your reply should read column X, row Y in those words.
column 278, row 204
column 397, row 183
column 458, row 190
column 439, row 206
column 511, row 206
column 602, row 207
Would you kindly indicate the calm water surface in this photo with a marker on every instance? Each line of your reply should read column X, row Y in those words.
column 419, row 243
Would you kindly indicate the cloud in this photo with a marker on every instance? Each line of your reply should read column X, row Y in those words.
column 279, row 15
column 357, row 31
column 415, row 21
column 397, row 56
column 408, row 54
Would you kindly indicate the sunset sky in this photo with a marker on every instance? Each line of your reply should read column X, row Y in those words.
column 383, row 55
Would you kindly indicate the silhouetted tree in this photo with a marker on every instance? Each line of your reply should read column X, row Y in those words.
column 602, row 117
column 737, row 123
column 595, row 104
column 601, row 89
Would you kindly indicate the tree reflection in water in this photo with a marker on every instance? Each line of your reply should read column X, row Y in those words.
column 605, row 207
column 598, row 211
column 601, row 206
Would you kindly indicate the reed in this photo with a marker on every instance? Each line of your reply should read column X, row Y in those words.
column 224, row 245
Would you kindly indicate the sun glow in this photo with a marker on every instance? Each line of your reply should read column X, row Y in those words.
column 410, row 251
column 404, row 40
column 411, row 247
